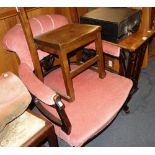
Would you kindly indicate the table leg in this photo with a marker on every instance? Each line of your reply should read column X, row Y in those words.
column 131, row 68
column 134, row 65
column 122, row 63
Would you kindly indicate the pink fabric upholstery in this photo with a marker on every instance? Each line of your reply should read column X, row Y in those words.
column 14, row 39
column 35, row 86
column 94, row 107
column 99, row 103
column 107, row 48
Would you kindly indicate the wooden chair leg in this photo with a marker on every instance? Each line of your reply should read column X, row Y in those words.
column 126, row 109
column 125, row 106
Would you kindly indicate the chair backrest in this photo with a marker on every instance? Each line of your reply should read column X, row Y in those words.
column 38, row 25
column 14, row 39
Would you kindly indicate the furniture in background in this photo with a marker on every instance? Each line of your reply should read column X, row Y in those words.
column 19, row 126
column 135, row 45
column 29, row 130
column 152, row 53
column 131, row 52
column 131, row 48
column 146, row 24
column 97, row 101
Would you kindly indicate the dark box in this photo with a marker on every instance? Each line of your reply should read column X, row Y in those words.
column 116, row 23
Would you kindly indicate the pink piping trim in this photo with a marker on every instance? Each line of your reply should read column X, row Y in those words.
column 6, row 43
column 51, row 21
column 42, row 30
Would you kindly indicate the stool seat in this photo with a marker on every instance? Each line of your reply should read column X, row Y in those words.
column 66, row 36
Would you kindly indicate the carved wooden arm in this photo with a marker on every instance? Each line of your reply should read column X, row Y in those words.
column 44, row 95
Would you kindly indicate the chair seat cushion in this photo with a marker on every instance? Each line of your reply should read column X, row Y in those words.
column 97, row 101
column 107, row 48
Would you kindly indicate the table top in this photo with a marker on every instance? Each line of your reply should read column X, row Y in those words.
column 135, row 40
column 64, row 36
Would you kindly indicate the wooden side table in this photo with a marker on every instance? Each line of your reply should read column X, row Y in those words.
column 29, row 130
column 66, row 39
column 135, row 44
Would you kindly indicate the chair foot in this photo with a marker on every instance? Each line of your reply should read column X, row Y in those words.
column 126, row 109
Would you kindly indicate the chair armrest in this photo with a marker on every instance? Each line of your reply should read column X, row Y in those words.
column 35, row 86
column 45, row 95
column 66, row 125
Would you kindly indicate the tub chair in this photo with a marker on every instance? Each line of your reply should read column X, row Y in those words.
column 97, row 101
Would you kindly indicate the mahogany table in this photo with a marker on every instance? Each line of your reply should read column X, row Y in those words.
column 135, row 46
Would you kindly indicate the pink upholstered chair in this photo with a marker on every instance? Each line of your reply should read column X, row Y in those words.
column 97, row 101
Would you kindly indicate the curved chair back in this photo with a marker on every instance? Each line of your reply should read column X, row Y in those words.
column 14, row 39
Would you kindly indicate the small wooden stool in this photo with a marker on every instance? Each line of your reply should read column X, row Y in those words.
column 29, row 129
column 66, row 39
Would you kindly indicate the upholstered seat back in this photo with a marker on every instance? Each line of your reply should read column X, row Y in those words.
column 14, row 39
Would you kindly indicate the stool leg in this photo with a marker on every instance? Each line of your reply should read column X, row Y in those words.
column 99, row 51
column 66, row 76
